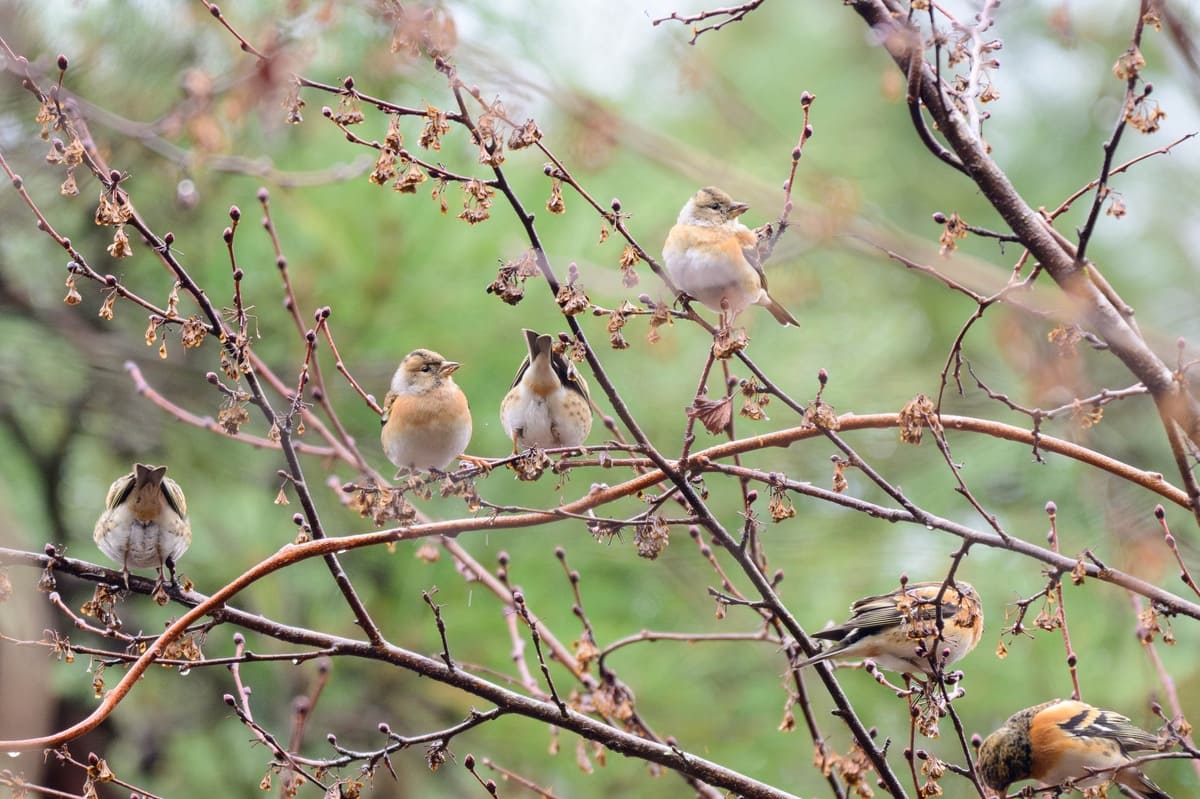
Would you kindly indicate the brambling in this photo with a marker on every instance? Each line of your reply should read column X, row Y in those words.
column 547, row 405
column 426, row 420
column 144, row 524
column 713, row 257
column 1064, row 740
column 899, row 631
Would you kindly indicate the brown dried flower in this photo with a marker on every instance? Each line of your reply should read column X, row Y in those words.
column 821, row 415
column 1147, row 117
column 491, row 146
column 69, row 187
column 193, row 332
column 572, row 299
column 915, row 417
column 532, row 463
column 106, row 308
column 780, row 505
column 408, row 182
column 955, row 228
column 661, row 316
column 436, row 126
column 1129, row 64
column 394, row 139
column 509, row 284
column 524, row 136
column 385, row 168
column 232, row 416
column 477, row 199
column 1065, row 337
column 349, row 111
column 120, row 247
column 728, row 342
column 103, row 607
column 73, row 296
column 840, row 484
column 556, row 204
column 756, row 400
column 293, row 105
column 586, row 650
column 113, row 208
column 652, row 537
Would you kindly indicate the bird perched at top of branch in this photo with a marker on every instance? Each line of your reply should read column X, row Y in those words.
column 547, row 405
column 426, row 419
column 1064, row 740
column 144, row 524
column 899, row 631
column 712, row 256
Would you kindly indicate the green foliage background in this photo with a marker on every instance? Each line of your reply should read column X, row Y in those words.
column 637, row 114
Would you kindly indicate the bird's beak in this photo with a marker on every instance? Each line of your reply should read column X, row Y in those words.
column 737, row 209
column 450, row 367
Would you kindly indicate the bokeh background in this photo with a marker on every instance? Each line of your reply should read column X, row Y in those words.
column 638, row 114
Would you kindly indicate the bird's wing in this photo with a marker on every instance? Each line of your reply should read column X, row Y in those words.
column 1114, row 726
column 886, row 610
column 388, row 399
column 868, row 614
column 749, row 244
column 174, row 496
column 520, row 373
column 119, row 491
column 568, row 375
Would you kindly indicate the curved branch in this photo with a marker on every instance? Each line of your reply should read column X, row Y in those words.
column 617, row 740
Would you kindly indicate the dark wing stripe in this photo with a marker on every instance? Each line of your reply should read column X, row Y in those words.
column 170, row 497
column 123, row 492
column 566, row 375
column 837, row 633
column 520, row 373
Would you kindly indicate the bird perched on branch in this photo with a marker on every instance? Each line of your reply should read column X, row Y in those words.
column 144, row 524
column 547, row 405
column 900, row 631
column 1064, row 740
column 426, row 419
column 712, row 256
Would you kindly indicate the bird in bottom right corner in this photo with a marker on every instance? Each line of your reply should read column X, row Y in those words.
column 899, row 631
column 1064, row 740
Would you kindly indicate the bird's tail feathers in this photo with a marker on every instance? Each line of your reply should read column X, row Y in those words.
column 780, row 313
column 1140, row 785
column 828, row 653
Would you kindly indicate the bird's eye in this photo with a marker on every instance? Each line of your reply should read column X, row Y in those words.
column 425, row 368
column 714, row 206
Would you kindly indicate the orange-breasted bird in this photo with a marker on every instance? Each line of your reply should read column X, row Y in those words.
column 1064, row 740
column 144, row 524
column 899, row 631
column 426, row 419
column 712, row 256
column 547, row 405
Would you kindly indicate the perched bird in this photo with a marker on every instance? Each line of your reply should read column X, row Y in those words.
column 713, row 257
column 899, row 631
column 1064, row 740
column 144, row 524
column 426, row 420
column 547, row 405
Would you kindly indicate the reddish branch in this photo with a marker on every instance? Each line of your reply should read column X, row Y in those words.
column 617, row 740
